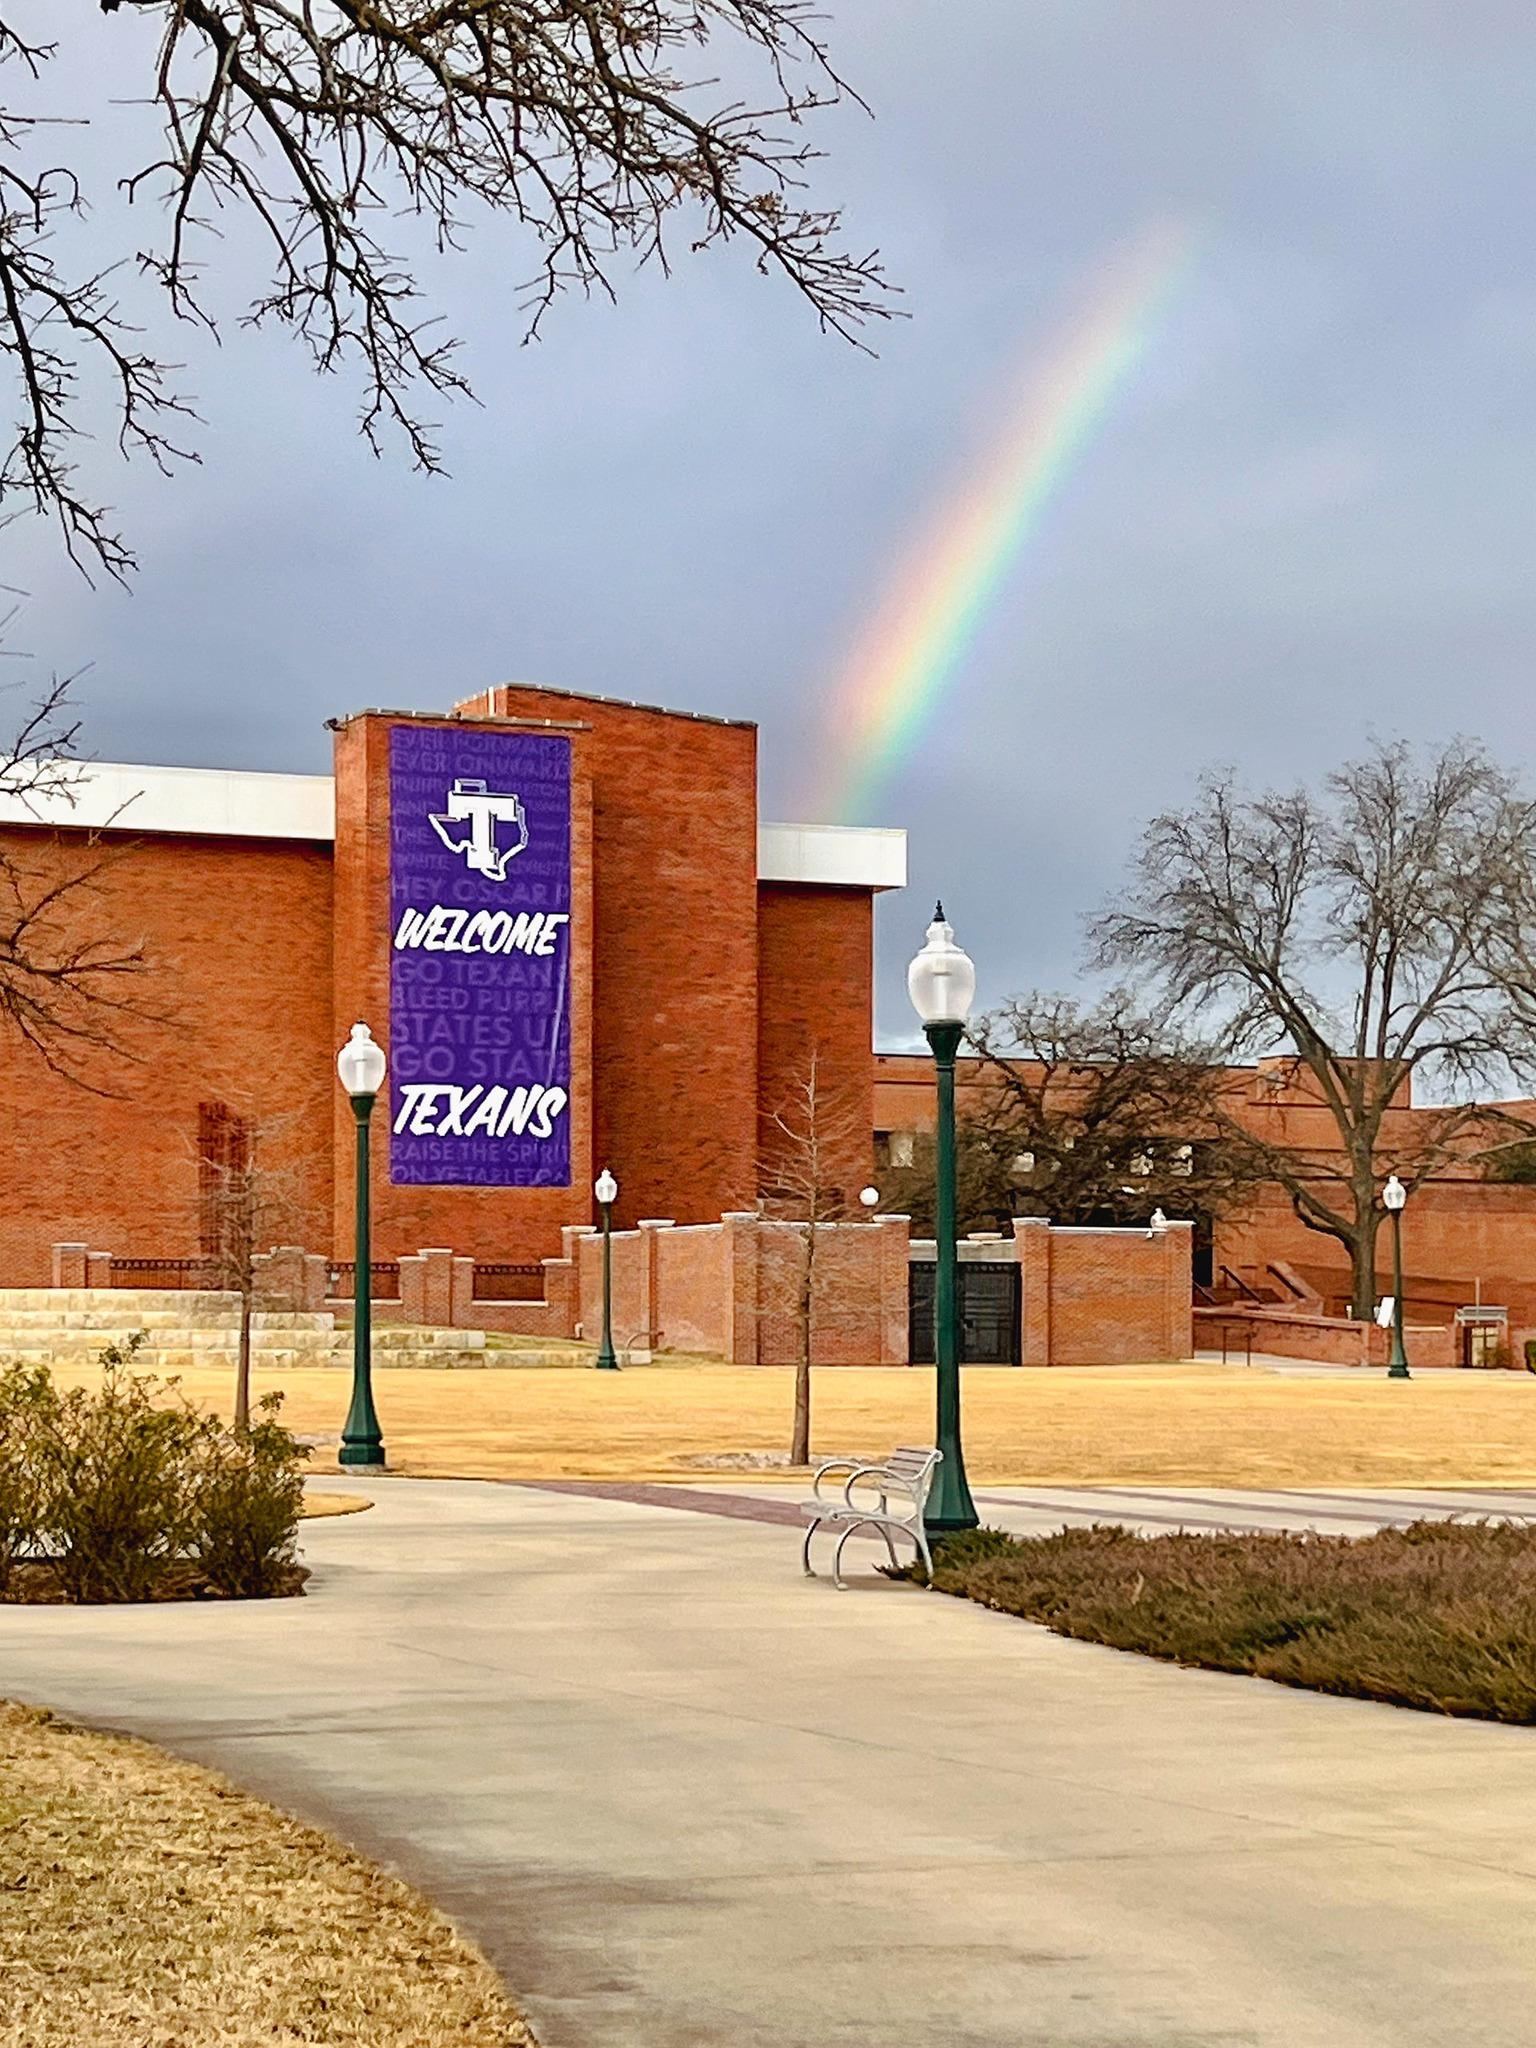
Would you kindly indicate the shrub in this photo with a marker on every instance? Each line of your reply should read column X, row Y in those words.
column 114, row 1476
column 250, row 1491
column 1439, row 1615
column 113, row 1493
column 28, row 1402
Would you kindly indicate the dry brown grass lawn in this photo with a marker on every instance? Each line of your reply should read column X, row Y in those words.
column 1203, row 1424
column 147, row 1904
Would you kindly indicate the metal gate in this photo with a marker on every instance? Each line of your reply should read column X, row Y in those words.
column 989, row 1311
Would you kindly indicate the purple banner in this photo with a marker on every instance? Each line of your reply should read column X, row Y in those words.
column 480, row 966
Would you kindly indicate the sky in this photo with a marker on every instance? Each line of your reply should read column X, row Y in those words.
column 1300, row 513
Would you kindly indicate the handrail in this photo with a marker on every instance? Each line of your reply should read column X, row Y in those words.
column 1242, row 1285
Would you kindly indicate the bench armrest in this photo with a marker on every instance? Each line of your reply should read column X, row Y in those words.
column 885, row 1482
column 831, row 1465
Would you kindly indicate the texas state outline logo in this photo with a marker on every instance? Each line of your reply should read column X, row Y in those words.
column 472, row 824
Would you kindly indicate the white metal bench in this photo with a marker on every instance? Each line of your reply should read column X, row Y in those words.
column 888, row 1498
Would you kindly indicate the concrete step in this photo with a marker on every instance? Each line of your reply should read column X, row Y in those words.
column 179, row 1318
column 82, row 1337
column 194, row 1303
column 164, row 1359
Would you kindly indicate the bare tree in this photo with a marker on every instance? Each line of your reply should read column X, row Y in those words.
column 1369, row 927
column 70, row 985
column 1099, row 1113
column 251, row 1196
column 807, row 1141
column 987, row 1176
column 594, row 125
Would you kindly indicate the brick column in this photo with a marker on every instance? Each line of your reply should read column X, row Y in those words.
column 650, row 1228
column 895, row 1254
column 560, row 1296
column 1032, row 1249
column 436, row 1286
column 413, row 1288
column 69, row 1265
column 1178, row 1288
column 742, row 1251
column 291, row 1277
column 461, row 1295
column 98, row 1269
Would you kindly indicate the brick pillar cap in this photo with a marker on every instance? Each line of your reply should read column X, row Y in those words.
column 434, row 1251
column 1031, row 1223
column 71, row 1247
column 656, row 1222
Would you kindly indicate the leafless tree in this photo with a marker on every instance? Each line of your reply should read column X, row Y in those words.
column 251, row 1196
column 594, row 125
column 70, row 985
column 1100, row 1113
column 807, row 1141
column 1369, row 927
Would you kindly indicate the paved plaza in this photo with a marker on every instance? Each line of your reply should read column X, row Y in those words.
column 684, row 1798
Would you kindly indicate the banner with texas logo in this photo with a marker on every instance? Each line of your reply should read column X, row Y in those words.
column 480, row 962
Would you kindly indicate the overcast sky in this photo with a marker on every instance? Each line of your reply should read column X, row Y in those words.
column 1308, row 515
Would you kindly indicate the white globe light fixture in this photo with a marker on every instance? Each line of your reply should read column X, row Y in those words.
column 869, row 1197
column 1394, row 1195
column 361, row 1063
column 941, row 980
column 942, row 984
column 361, row 1067
column 606, row 1188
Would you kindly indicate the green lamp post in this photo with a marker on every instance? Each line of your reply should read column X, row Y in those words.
column 606, row 1189
column 941, row 982
column 360, row 1063
column 1394, row 1198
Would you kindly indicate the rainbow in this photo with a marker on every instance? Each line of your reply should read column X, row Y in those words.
column 913, row 647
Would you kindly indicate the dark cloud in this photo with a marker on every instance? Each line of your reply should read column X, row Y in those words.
column 1308, row 516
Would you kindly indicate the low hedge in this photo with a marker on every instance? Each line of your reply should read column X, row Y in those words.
column 125, row 1491
column 1438, row 1615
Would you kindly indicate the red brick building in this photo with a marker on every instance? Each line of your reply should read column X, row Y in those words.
column 702, row 950
column 1469, row 1241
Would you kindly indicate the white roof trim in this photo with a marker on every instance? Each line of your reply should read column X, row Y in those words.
column 240, row 803
column 838, row 856
column 223, row 802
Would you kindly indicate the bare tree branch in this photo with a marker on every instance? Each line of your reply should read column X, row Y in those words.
column 1382, row 931
column 591, row 124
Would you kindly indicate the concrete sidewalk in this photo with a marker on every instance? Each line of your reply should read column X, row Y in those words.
column 685, row 1798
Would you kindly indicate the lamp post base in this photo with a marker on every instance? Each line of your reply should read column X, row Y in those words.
column 950, row 1509
column 369, row 1456
column 1398, row 1370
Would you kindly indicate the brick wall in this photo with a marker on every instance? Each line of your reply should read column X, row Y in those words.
column 237, row 935
column 1460, row 1238
column 1329, row 1340
column 485, row 1223
column 1103, row 1297
column 692, row 1282
column 728, row 1289
column 674, row 950
column 858, row 1304
column 815, row 980
column 265, row 953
